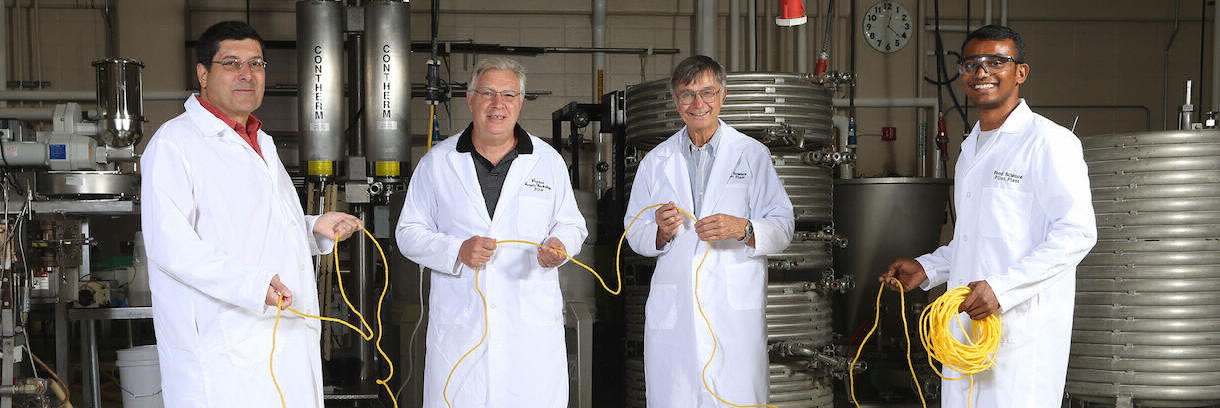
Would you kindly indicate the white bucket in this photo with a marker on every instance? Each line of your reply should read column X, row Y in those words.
column 140, row 377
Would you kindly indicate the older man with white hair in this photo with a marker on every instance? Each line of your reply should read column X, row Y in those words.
column 493, row 181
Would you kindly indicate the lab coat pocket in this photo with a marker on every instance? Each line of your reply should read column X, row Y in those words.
column 746, row 286
column 1005, row 214
column 661, row 310
column 450, row 299
column 540, row 303
column 533, row 215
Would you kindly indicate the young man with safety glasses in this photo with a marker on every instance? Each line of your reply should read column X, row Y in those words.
column 1024, row 221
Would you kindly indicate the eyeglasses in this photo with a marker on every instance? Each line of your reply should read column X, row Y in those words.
column 688, row 97
column 233, row 64
column 508, row 95
column 990, row 63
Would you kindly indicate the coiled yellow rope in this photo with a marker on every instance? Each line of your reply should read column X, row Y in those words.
column 983, row 338
column 934, row 334
column 619, row 274
column 366, row 336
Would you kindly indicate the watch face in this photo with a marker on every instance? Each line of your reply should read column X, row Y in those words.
column 887, row 26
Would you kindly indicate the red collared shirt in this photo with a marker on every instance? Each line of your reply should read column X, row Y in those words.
column 249, row 133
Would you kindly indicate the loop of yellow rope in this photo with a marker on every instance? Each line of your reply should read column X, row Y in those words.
column 366, row 336
column 974, row 356
column 982, row 340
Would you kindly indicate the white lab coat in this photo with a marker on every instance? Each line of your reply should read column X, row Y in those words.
column 742, row 183
column 219, row 222
column 523, row 362
column 1024, row 221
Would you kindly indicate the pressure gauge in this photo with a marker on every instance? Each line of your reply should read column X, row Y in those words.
column 887, row 26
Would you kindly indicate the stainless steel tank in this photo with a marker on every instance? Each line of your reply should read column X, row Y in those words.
column 1147, row 322
column 320, row 85
column 387, row 48
column 885, row 219
column 809, row 186
column 786, row 111
column 793, row 386
column 120, row 101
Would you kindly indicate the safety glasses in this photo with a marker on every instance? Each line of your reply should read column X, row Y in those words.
column 990, row 63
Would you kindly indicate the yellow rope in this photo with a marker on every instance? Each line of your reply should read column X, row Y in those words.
column 619, row 275
column 366, row 336
column 851, row 377
column 968, row 359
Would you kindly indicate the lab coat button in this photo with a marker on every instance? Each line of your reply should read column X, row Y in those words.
column 967, row 194
column 493, row 305
column 965, row 238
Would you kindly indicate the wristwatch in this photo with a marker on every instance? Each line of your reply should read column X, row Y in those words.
column 749, row 232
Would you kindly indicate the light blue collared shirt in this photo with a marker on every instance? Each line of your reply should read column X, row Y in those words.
column 699, row 164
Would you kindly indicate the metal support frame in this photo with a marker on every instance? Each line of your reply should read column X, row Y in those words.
column 578, row 115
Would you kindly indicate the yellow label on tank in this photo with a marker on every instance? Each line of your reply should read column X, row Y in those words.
column 385, row 168
column 321, row 168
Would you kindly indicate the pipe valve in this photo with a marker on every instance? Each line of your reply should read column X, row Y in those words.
column 828, row 157
column 841, row 285
column 827, row 360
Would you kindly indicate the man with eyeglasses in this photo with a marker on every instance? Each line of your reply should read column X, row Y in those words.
column 227, row 242
column 1024, row 221
column 726, row 180
column 493, row 181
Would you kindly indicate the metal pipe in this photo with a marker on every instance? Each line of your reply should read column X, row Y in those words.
column 108, row 20
column 947, row 28
column 752, row 34
column 361, row 268
column 1165, row 68
column 1215, row 106
column 602, row 148
column 1004, row 13
column 802, row 48
column 987, row 13
column 27, row 114
column 705, row 27
column 87, row 96
column 599, row 41
column 735, row 35
column 69, row 5
column 4, row 52
column 847, row 169
column 1184, row 117
column 37, row 49
column 889, row 103
column 18, row 42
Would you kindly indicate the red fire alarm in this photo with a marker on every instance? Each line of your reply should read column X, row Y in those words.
column 889, row 133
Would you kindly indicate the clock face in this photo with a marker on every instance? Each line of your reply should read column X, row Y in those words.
column 887, row 26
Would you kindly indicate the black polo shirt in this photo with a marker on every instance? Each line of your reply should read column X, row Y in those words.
column 491, row 177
